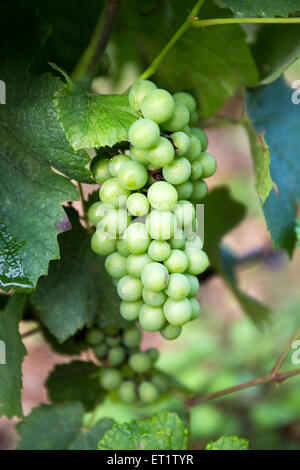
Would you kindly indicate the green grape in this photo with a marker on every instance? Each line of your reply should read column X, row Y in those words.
column 97, row 211
column 177, row 262
column 115, row 281
column 159, row 250
column 153, row 353
column 154, row 277
column 178, row 312
column 132, row 337
column 136, row 238
column 158, row 105
column 178, row 241
column 138, row 204
column 136, row 263
column 160, row 382
column 139, row 155
column 144, row 134
column 113, row 340
column 171, row 332
column 101, row 170
column 194, row 285
column 111, row 331
column 194, row 242
column 116, row 162
column 185, row 213
column 198, row 261
column 199, row 190
column 178, row 286
column 115, row 265
column 181, row 142
column 129, row 288
column 111, row 192
column 187, row 130
column 115, row 222
column 151, row 318
column 132, row 175
column 140, row 362
column 208, row 163
column 122, row 248
column 184, row 190
column 161, row 225
column 196, row 170
column 195, row 148
column 155, row 299
column 201, row 136
column 179, row 118
column 162, row 196
column 138, row 91
column 186, row 99
column 110, row 379
column 195, row 308
column 130, row 310
column 163, row 154
column 102, row 243
column 193, row 118
column 94, row 336
column 116, row 355
column 148, row 393
column 178, row 172
column 100, row 351
column 127, row 392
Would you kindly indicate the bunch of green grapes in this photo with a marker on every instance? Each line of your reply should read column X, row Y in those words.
column 124, row 367
column 146, row 218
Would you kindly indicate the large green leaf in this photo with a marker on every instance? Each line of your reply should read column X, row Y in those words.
column 77, row 291
column 268, row 8
column 59, row 427
column 12, row 352
column 164, row 431
column 229, row 443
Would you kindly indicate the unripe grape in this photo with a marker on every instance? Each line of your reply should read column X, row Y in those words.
column 138, row 91
column 132, row 337
column 115, row 222
column 140, row 362
column 122, row 248
column 171, row 332
column 184, row 190
column 201, row 136
column 132, row 175
column 111, row 330
column 158, row 105
column 208, row 163
column 116, row 355
column 97, row 211
column 138, row 204
column 160, row 382
column 195, row 308
column 194, row 285
column 194, row 118
column 199, row 190
column 100, row 351
column 178, row 312
column 179, row 118
column 159, row 250
column 127, row 392
column 144, row 134
column 136, row 238
column 136, row 263
column 178, row 241
column 155, row 299
column 148, row 393
column 178, row 172
column 115, row 265
column 153, row 353
column 151, row 318
column 177, row 262
column 129, row 288
column 154, row 277
column 195, row 148
column 178, row 286
column 111, row 192
column 139, row 155
column 130, row 310
column 187, row 99
column 110, row 379
column 116, row 162
column 113, row 340
column 194, row 242
column 161, row 225
column 162, row 154
column 196, row 170
column 94, row 336
column 102, row 243
column 185, row 213
column 162, row 196
column 101, row 170
column 181, row 142
column 198, row 261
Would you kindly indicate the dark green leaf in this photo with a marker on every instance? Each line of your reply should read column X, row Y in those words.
column 298, row 231
column 268, row 8
column 88, row 439
column 229, row 443
column 12, row 352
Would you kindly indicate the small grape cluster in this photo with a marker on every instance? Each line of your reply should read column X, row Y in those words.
column 124, row 367
column 154, row 256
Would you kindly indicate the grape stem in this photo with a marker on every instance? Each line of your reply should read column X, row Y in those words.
column 197, row 23
column 83, row 205
column 275, row 376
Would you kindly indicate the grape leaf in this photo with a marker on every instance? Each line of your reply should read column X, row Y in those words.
column 59, row 427
column 76, row 381
column 271, row 109
column 77, row 291
column 12, row 352
column 164, row 431
column 229, row 443
column 267, row 8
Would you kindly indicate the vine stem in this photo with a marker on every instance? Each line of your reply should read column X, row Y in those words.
column 197, row 23
column 157, row 61
column 83, row 205
column 31, row 332
column 275, row 376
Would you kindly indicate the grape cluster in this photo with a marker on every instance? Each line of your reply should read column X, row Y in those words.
column 124, row 367
column 146, row 218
